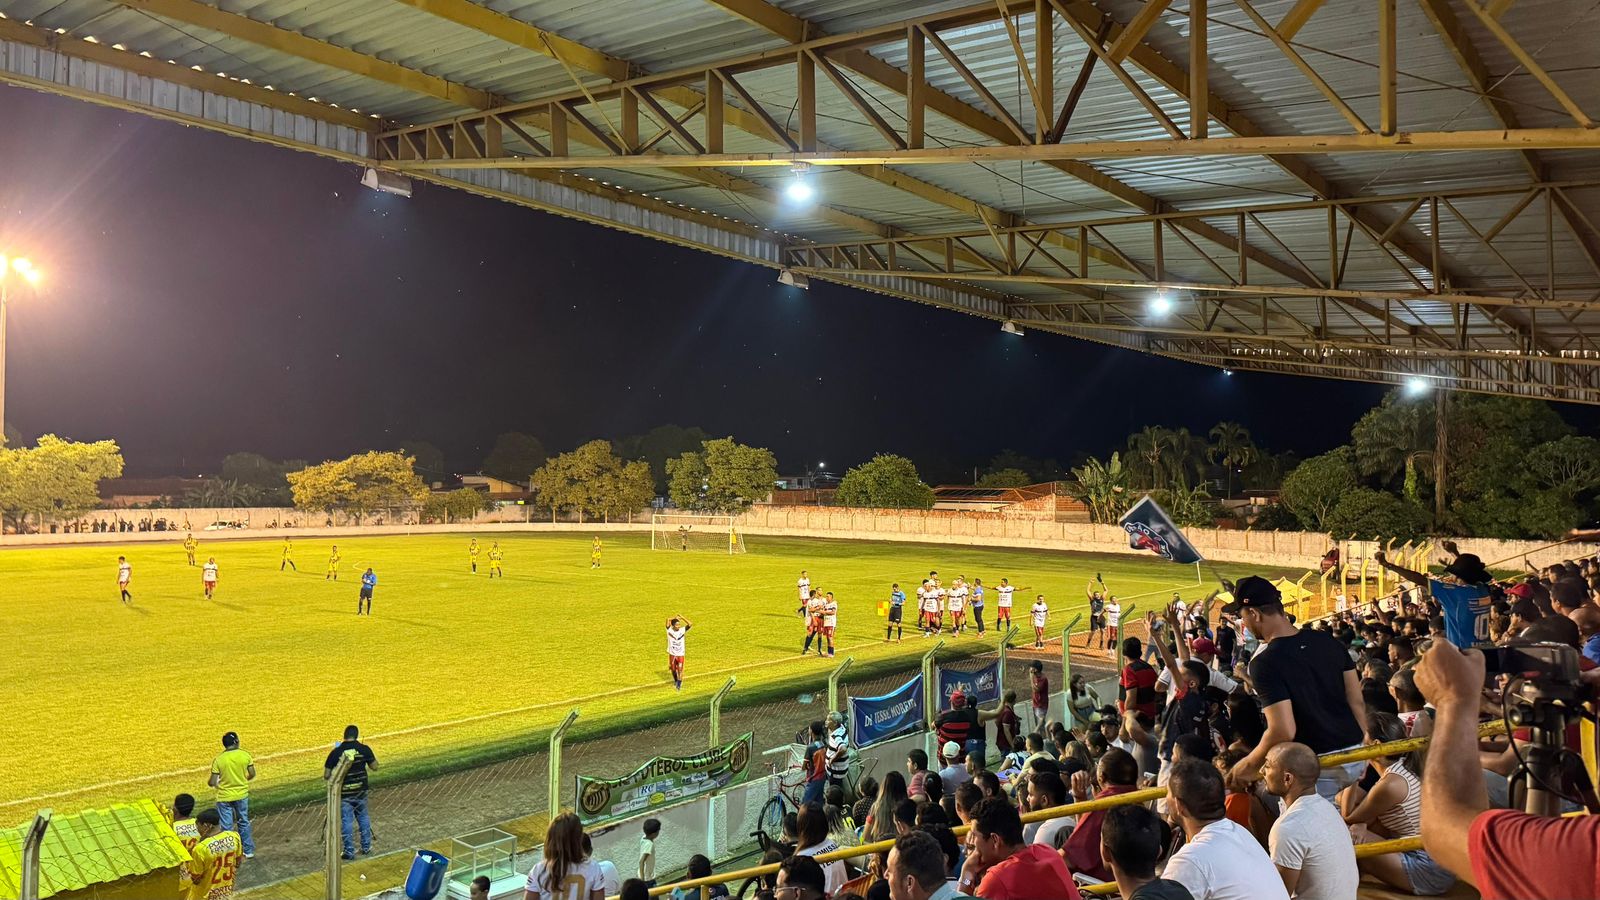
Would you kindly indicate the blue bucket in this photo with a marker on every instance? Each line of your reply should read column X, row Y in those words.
column 427, row 875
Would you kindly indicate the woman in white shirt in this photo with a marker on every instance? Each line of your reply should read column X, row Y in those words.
column 814, row 841
column 565, row 873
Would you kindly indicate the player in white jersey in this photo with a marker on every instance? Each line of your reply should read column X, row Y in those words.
column 804, row 584
column 124, row 577
column 814, row 615
column 208, row 577
column 957, row 600
column 675, row 646
column 1002, row 613
column 1041, row 612
column 930, row 607
column 830, row 619
column 1113, row 622
column 941, row 596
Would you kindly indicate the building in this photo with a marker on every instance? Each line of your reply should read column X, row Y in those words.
column 127, row 850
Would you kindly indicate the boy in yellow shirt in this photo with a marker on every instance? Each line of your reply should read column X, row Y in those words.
column 214, row 860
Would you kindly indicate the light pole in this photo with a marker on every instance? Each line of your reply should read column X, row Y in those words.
column 16, row 267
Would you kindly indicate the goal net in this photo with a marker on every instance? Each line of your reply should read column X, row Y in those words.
column 687, row 531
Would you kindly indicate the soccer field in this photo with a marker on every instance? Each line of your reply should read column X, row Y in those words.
column 106, row 701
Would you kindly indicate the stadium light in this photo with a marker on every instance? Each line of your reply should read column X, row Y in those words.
column 794, row 279
column 800, row 190
column 1010, row 326
column 11, row 268
column 1160, row 304
column 1228, row 372
column 1416, row 386
column 386, row 182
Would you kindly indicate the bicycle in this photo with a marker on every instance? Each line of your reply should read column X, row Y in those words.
column 786, row 779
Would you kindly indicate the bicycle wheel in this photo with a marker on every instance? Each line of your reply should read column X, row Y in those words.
column 751, row 886
column 771, row 819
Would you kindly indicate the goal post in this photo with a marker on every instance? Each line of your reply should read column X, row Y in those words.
column 694, row 531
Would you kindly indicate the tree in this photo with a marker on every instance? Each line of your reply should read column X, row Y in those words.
column 1387, row 439
column 624, row 490
column 56, row 478
column 359, row 485
column 1005, row 478
column 887, row 482
column 686, row 480
column 1150, row 454
column 1367, row 515
column 514, row 456
column 1314, row 487
column 221, row 493
column 592, row 481
column 1038, row 470
column 1188, row 506
column 429, row 459
column 1569, row 466
column 659, row 444
column 1103, row 487
column 459, row 505
column 265, row 476
column 1232, row 449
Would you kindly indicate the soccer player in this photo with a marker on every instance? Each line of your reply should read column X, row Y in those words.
column 1041, row 612
column 214, row 859
column 472, row 555
column 1097, row 612
column 333, row 564
column 594, row 553
column 369, row 582
column 941, row 596
column 675, row 646
column 830, row 619
column 813, row 623
column 929, row 603
column 1113, row 622
column 957, row 598
column 190, row 545
column 1003, row 593
column 183, row 825
column 897, row 604
column 288, row 556
column 683, row 536
column 494, row 560
column 208, row 577
column 124, row 576
column 977, row 602
column 805, row 592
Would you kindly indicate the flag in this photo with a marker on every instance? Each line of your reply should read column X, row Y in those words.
column 883, row 608
column 1150, row 528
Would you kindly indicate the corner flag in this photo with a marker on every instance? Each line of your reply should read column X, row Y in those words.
column 1150, row 528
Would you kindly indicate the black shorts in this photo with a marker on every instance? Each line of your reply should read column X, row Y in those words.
column 1097, row 621
column 366, row 593
column 894, row 614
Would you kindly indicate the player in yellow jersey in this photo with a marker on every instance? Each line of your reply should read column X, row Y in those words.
column 288, row 556
column 333, row 565
column 214, row 859
column 494, row 560
column 184, row 827
column 472, row 555
column 190, row 545
column 594, row 553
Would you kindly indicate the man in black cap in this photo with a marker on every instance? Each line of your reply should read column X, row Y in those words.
column 1462, row 594
column 1307, row 685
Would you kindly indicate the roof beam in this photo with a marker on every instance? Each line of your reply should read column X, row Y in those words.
column 767, row 17
column 1137, row 28
column 293, row 43
column 522, row 34
column 1297, row 17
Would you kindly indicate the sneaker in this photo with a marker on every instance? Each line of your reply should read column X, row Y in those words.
column 250, row 855
column 366, row 851
column 347, row 856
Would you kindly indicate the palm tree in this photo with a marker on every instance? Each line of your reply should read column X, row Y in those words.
column 1233, row 448
column 1103, row 487
column 1149, row 447
column 1187, row 454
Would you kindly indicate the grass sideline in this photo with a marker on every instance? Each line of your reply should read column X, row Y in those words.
column 282, row 658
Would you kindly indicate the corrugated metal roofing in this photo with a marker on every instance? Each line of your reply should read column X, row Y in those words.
column 97, row 846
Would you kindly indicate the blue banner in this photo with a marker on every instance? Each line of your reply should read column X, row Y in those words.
column 1150, row 528
column 981, row 686
column 875, row 719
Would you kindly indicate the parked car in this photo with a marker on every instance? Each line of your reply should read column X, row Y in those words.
column 224, row 526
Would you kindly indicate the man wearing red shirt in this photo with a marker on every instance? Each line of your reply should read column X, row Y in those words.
column 1504, row 853
column 1136, row 689
column 1119, row 772
column 1005, row 867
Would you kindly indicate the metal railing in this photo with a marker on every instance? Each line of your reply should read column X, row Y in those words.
column 1143, row 795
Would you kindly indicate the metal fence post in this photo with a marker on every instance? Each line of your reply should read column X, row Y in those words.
column 1066, row 662
column 333, row 831
column 716, row 710
column 31, row 842
column 1005, row 646
column 833, row 682
column 930, row 705
column 554, row 759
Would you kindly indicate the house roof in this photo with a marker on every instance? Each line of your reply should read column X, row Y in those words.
column 95, row 846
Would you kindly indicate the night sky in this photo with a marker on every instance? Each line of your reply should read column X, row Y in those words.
column 207, row 294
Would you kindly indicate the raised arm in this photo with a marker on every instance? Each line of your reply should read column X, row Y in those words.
column 1416, row 578
column 1161, row 646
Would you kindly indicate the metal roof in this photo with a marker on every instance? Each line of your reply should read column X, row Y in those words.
column 1517, row 272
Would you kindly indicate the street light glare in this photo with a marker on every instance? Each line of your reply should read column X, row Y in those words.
column 1160, row 305
column 1416, row 386
column 799, row 191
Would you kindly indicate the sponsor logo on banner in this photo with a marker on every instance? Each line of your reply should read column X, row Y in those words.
column 664, row 781
column 876, row 719
column 981, row 686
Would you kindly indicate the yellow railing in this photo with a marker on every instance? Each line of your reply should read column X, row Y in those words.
column 1144, row 795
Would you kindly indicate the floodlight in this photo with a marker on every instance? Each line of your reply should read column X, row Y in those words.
column 386, row 182
column 1010, row 326
column 1228, row 372
column 1416, row 386
column 794, row 279
column 1160, row 305
column 800, row 190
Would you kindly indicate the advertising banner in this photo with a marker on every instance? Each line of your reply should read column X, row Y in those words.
column 875, row 719
column 981, row 686
column 664, row 781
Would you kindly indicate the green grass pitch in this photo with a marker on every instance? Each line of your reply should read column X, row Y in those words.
column 107, row 702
